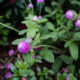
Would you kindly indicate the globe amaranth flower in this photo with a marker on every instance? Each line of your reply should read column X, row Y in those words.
column 23, row 78
column 40, row 1
column 11, row 52
column 7, row 66
column 77, row 23
column 8, row 75
column 69, row 14
column 67, row 78
column 23, row 47
column 30, row 5
column 40, row 17
column 35, row 18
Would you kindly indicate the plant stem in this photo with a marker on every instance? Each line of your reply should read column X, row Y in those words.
column 32, row 7
column 8, row 27
column 40, row 10
column 2, row 60
column 48, row 46
column 25, row 4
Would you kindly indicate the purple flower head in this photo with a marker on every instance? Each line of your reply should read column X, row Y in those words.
column 23, row 47
column 30, row 5
column 29, row 40
column 35, row 18
column 69, row 14
column 35, row 56
column 40, row 1
column 40, row 17
column 77, row 23
column 11, row 52
column 7, row 66
column 66, row 70
column 23, row 78
column 8, row 75
column 67, row 78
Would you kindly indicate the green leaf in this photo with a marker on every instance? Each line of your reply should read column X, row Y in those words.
column 66, row 59
column 71, row 77
column 67, row 44
column 15, row 42
column 60, row 77
column 54, row 35
column 12, row 67
column 29, row 59
column 47, row 55
column 77, row 35
column 74, row 50
column 42, row 20
column 71, row 69
column 22, row 32
column 31, row 32
column 57, row 65
column 50, row 26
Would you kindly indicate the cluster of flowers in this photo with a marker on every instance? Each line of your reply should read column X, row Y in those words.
column 69, row 15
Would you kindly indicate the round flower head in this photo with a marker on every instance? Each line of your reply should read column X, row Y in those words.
column 69, row 14
column 30, row 5
column 40, row 17
column 11, row 52
column 8, row 75
column 35, row 18
column 77, row 23
column 40, row 1
column 23, row 47
column 23, row 78
column 7, row 66
column 67, row 78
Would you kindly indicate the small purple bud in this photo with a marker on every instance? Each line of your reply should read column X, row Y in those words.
column 66, row 70
column 69, row 14
column 8, row 75
column 35, row 18
column 40, row 17
column 30, row 5
column 23, row 47
column 67, row 78
column 7, row 66
column 77, row 23
column 11, row 52
column 40, row 1
column 35, row 56
column 29, row 40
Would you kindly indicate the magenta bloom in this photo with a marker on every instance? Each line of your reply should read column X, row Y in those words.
column 23, row 47
column 35, row 18
column 23, row 78
column 67, row 78
column 69, row 14
column 77, row 23
column 30, row 5
column 7, row 66
column 8, row 75
column 11, row 52
column 40, row 1
column 35, row 56
column 40, row 17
